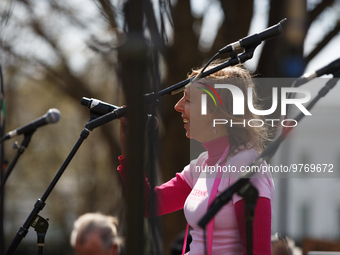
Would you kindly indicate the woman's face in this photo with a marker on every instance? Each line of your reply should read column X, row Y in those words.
column 198, row 126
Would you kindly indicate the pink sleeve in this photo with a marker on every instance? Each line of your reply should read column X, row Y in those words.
column 261, row 226
column 170, row 196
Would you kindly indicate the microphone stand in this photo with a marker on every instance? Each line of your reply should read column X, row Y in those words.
column 243, row 183
column 21, row 149
column 40, row 224
column 36, row 221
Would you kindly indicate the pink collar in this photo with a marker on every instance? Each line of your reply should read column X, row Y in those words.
column 215, row 149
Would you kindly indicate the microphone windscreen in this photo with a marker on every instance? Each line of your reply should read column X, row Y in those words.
column 53, row 115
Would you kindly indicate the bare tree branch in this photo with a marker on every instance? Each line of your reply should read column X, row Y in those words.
column 236, row 23
column 313, row 14
column 67, row 12
column 5, row 16
column 183, row 31
column 323, row 42
column 108, row 11
column 71, row 84
column 59, row 77
column 156, row 37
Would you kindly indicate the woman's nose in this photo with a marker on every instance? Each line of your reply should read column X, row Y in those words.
column 179, row 106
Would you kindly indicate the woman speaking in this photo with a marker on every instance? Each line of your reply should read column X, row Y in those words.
column 231, row 145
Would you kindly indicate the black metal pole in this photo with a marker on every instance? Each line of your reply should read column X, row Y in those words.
column 133, row 63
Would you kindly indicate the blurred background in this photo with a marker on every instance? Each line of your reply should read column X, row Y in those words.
column 53, row 53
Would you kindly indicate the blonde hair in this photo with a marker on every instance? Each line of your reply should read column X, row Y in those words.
column 240, row 137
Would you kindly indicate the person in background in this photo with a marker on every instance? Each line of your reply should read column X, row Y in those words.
column 95, row 234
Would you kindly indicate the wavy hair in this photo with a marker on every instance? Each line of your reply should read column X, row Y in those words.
column 240, row 137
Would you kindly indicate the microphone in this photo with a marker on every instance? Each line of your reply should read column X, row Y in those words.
column 98, row 107
column 51, row 116
column 252, row 41
column 103, row 109
column 328, row 69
